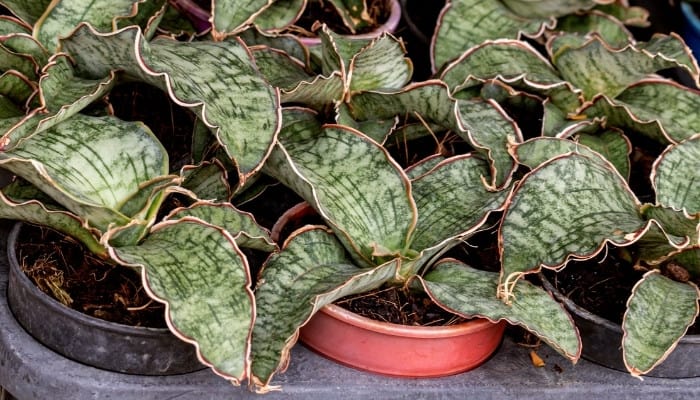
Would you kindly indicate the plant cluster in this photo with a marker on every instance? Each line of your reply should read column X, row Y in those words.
column 547, row 105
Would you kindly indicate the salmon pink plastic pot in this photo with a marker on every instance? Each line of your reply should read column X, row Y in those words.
column 400, row 350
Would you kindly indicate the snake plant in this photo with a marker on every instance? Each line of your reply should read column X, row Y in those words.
column 602, row 106
column 105, row 181
column 384, row 224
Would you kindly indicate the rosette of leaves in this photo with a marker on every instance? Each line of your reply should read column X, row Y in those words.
column 464, row 24
column 226, row 18
column 602, row 107
column 385, row 226
column 104, row 181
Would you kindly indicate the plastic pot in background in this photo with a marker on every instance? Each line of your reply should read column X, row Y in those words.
column 602, row 342
column 691, row 27
column 92, row 341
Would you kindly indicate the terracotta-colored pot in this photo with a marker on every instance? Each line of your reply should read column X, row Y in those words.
column 389, row 26
column 400, row 350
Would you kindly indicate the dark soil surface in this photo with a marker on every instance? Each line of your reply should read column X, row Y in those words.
column 601, row 287
column 72, row 275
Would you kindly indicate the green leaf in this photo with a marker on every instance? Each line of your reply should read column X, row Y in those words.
column 507, row 60
column 33, row 211
column 467, row 23
column 200, row 274
column 16, row 88
column 280, row 14
column 351, row 181
column 613, row 145
column 317, row 93
column 64, row 94
column 596, row 68
column 288, row 43
column 62, row 16
column 228, row 93
column 24, row 44
column 546, row 8
column 470, row 292
column 659, row 312
column 482, row 124
column 27, row 11
column 490, row 130
column 241, row 225
column 452, row 200
column 90, row 165
column 534, row 152
column 545, row 225
column 231, row 17
column 380, row 65
column 279, row 68
column 377, row 129
column 610, row 29
column 671, row 104
column 23, row 63
column 208, row 181
column 675, row 176
column 314, row 270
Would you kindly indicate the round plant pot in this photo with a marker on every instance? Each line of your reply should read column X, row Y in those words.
column 92, row 341
column 602, row 342
column 388, row 26
column 400, row 350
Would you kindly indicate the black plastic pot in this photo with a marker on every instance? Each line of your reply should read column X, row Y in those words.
column 602, row 342
column 89, row 340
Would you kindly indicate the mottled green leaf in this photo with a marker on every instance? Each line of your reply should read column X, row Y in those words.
column 659, row 312
column 228, row 93
column 546, row 8
column 27, row 11
column 535, row 151
column 380, row 65
column 33, row 211
column 489, row 129
column 16, row 87
column 544, row 224
column 317, row 93
column 62, row 16
column 610, row 29
column 314, row 270
column 351, row 180
column 22, row 43
column 674, row 106
column 470, row 292
column 506, row 60
column 64, row 94
column 285, row 42
column 467, row 23
column 628, row 15
column 452, row 200
column 596, row 68
column 230, row 17
column 202, row 276
column 207, row 180
column 241, row 225
column 8, row 109
column 675, row 176
column 23, row 63
column 90, row 165
column 689, row 258
column 280, row 14
column 377, row 129
column 279, row 68
column 613, row 145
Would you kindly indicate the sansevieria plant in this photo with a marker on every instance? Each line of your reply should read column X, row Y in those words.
column 105, row 181
column 604, row 110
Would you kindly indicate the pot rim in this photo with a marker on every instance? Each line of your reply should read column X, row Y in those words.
column 596, row 319
column 59, row 307
column 468, row 327
column 389, row 26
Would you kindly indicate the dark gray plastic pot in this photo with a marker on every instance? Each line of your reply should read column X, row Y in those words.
column 92, row 341
column 602, row 342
